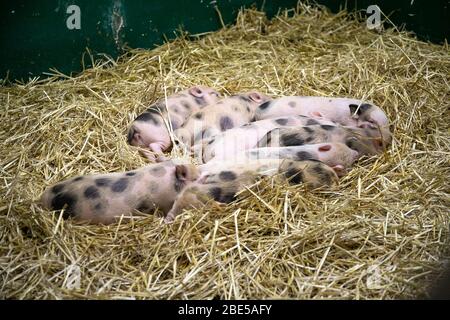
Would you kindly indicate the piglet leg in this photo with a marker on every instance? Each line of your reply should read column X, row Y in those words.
column 190, row 197
column 149, row 155
column 158, row 149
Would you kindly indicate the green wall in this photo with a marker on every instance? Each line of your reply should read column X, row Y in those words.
column 34, row 35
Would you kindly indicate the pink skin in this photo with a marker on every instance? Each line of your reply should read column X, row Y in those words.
column 237, row 110
column 152, row 134
column 233, row 141
column 146, row 132
column 334, row 109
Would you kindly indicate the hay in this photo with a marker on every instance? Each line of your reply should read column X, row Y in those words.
column 381, row 235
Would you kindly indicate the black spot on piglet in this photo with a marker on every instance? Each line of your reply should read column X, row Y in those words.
column 327, row 127
column 131, row 173
column 57, row 188
column 311, row 122
column 146, row 116
column 294, row 176
column 281, row 121
column 186, row 104
column 102, row 182
column 292, row 140
column 226, row 123
column 218, row 195
column 91, row 192
column 215, row 192
column 362, row 108
column 64, row 199
column 120, row 185
column 227, row 175
column 318, row 169
column 264, row 106
column 200, row 101
column 303, row 155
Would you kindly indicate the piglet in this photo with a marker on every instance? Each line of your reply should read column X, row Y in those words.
column 344, row 111
column 366, row 141
column 232, row 142
column 102, row 198
column 150, row 129
column 222, row 181
column 338, row 156
column 224, row 115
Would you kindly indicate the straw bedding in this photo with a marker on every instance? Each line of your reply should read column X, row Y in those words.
column 382, row 234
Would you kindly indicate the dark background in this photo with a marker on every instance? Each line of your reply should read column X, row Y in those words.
column 34, row 36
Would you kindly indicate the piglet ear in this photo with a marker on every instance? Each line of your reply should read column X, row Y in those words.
column 326, row 147
column 186, row 172
column 255, row 96
column 339, row 169
column 196, row 92
column 316, row 114
column 181, row 172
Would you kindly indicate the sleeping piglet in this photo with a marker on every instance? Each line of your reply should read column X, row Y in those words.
column 234, row 141
column 222, row 181
column 344, row 111
column 338, row 156
column 230, row 112
column 103, row 198
column 366, row 141
column 150, row 129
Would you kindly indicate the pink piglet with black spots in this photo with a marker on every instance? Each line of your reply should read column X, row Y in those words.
column 150, row 129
